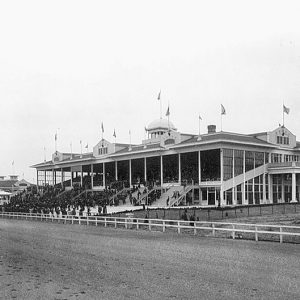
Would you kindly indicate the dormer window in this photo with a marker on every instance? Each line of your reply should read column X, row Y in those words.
column 102, row 151
column 283, row 140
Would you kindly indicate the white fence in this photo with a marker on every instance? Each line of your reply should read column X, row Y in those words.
column 233, row 230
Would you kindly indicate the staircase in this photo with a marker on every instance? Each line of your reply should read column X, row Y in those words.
column 182, row 196
column 119, row 193
column 228, row 184
column 162, row 201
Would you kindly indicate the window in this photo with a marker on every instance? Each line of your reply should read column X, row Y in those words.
column 283, row 140
column 102, row 151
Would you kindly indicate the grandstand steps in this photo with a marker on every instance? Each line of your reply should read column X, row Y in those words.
column 169, row 192
column 182, row 196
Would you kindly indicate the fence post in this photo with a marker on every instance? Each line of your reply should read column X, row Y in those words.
column 233, row 231
column 164, row 225
column 115, row 222
column 65, row 219
column 178, row 227
column 256, row 234
column 213, row 229
column 105, row 224
column 280, row 236
column 79, row 220
column 87, row 220
column 195, row 228
column 72, row 219
column 137, row 224
column 149, row 225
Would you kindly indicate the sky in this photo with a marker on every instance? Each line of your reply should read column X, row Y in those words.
column 67, row 66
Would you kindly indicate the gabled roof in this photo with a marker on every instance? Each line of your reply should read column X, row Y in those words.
column 226, row 136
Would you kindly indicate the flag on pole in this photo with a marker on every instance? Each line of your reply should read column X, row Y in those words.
column 13, row 163
column 55, row 137
column 80, row 142
column 200, row 118
column 168, row 112
column 87, row 145
column 223, row 111
column 114, row 135
column 102, row 127
column 286, row 109
column 158, row 98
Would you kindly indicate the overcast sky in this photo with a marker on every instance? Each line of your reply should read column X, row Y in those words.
column 74, row 64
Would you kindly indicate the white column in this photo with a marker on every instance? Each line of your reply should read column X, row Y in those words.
column 81, row 176
column 71, row 178
column 233, row 181
column 92, row 176
column 53, row 177
column 244, row 174
column 37, row 179
column 62, row 177
column 282, row 189
column 199, row 166
column 161, row 171
column 45, row 177
column 294, row 199
column 179, row 168
column 104, row 175
column 145, row 170
column 270, row 183
column 221, row 190
column 130, row 173
column 116, row 170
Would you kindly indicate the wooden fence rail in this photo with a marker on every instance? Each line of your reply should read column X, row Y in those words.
column 234, row 229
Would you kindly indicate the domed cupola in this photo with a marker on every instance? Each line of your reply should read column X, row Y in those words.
column 160, row 126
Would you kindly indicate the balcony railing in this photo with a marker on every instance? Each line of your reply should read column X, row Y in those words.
column 286, row 164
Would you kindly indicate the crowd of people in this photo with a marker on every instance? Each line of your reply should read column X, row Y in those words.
column 60, row 200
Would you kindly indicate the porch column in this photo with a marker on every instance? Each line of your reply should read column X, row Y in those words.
column 179, row 168
column 116, row 170
column 53, row 177
column 130, row 174
column 45, row 174
column 270, row 183
column 161, row 171
column 92, row 176
column 282, row 189
column 37, row 179
column 62, row 177
column 233, row 181
column 104, row 175
column 244, row 174
column 81, row 176
column 71, row 181
column 199, row 167
column 145, row 170
column 222, row 169
column 294, row 199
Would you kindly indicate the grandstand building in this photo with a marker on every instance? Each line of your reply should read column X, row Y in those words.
column 216, row 168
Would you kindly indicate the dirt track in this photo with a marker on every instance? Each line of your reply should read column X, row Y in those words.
column 56, row 261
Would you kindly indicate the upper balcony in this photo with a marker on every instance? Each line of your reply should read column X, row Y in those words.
column 284, row 167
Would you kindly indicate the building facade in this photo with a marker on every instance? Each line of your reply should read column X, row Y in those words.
column 218, row 168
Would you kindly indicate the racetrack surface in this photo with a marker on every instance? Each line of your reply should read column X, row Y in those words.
column 56, row 261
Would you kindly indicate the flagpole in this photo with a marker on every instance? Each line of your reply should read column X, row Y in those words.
column 71, row 150
column 81, row 148
column 199, row 125
column 221, row 122
column 44, row 154
column 283, row 113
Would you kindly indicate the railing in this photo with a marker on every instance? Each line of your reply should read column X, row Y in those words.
column 284, row 164
column 182, row 196
column 235, row 230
